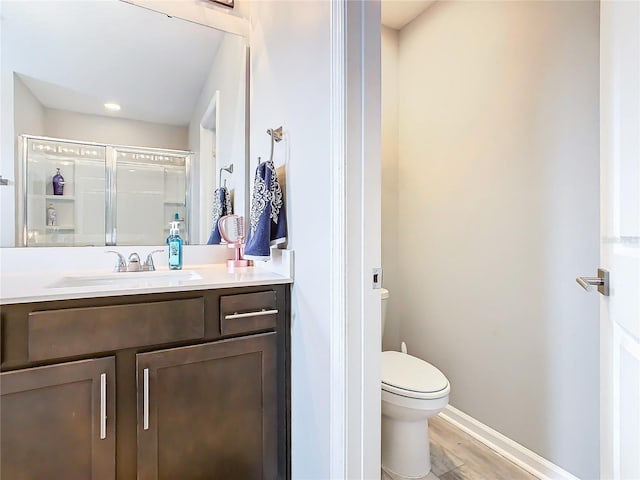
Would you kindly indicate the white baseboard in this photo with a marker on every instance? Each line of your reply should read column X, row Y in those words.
column 513, row 451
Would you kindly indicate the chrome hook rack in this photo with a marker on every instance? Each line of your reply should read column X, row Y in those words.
column 229, row 169
column 276, row 137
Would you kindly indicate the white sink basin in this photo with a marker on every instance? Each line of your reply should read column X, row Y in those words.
column 128, row 279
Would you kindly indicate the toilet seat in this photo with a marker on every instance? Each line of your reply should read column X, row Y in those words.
column 409, row 376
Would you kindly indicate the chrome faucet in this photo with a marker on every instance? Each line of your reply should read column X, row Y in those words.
column 121, row 263
column 133, row 264
column 148, row 265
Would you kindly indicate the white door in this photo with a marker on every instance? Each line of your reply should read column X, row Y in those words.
column 620, row 238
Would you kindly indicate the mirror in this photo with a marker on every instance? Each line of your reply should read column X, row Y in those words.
column 160, row 101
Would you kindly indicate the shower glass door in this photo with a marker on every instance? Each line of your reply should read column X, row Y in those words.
column 74, row 215
column 110, row 195
column 150, row 191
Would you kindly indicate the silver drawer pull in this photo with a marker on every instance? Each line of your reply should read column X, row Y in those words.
column 145, row 399
column 103, row 406
column 251, row 314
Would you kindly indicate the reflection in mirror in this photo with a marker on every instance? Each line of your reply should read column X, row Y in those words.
column 101, row 193
column 159, row 100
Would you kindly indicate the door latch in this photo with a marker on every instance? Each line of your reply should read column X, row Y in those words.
column 377, row 278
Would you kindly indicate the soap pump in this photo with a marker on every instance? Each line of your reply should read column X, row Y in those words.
column 175, row 243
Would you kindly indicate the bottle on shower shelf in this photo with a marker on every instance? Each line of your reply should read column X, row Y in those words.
column 51, row 215
column 58, row 183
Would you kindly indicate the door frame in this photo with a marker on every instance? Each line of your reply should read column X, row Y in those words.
column 355, row 134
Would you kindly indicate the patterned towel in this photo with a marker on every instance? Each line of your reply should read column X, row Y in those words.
column 268, row 225
column 221, row 207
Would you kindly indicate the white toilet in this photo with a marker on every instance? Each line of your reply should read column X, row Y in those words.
column 412, row 391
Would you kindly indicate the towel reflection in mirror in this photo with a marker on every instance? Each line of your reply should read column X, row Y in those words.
column 221, row 207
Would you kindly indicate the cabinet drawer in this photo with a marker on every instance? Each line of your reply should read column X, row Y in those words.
column 248, row 312
column 78, row 331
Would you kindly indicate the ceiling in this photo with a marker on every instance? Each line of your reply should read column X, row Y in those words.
column 398, row 13
column 78, row 55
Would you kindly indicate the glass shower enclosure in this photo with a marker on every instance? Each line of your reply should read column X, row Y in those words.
column 111, row 194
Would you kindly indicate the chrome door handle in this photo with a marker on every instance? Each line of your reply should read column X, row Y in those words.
column 103, row 406
column 145, row 399
column 601, row 281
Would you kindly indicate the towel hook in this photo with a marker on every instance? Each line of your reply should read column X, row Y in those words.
column 276, row 137
column 228, row 168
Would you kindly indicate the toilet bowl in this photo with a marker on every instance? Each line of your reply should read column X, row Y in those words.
column 412, row 391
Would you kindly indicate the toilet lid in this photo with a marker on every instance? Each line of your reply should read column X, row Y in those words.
column 404, row 372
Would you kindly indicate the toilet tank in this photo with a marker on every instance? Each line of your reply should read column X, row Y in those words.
column 384, row 295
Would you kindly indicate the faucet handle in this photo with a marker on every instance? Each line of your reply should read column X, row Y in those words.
column 148, row 265
column 121, row 263
column 133, row 264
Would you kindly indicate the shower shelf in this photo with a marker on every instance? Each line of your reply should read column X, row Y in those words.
column 61, row 198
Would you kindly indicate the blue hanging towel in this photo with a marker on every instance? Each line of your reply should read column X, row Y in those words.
column 221, row 207
column 268, row 222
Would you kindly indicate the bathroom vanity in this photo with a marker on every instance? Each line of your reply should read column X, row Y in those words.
column 191, row 383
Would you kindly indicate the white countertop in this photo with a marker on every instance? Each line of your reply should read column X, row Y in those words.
column 32, row 274
column 24, row 287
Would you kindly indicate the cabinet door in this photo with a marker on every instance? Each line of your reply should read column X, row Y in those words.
column 59, row 421
column 209, row 411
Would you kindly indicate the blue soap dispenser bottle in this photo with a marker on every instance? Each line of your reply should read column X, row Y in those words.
column 175, row 243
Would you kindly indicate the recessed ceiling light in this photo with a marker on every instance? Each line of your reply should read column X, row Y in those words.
column 113, row 107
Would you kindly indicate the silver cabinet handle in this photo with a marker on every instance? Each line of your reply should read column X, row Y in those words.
column 251, row 314
column 145, row 399
column 601, row 281
column 103, row 406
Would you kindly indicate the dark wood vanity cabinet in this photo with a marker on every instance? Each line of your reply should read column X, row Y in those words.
column 209, row 411
column 190, row 385
column 59, row 421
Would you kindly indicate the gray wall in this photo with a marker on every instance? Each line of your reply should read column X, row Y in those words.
column 498, row 213
column 114, row 130
column 391, row 338
column 29, row 118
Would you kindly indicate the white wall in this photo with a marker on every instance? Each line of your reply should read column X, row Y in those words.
column 291, row 87
column 498, row 213
column 228, row 77
column 391, row 335
column 119, row 131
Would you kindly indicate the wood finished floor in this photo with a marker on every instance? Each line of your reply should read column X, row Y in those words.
column 455, row 455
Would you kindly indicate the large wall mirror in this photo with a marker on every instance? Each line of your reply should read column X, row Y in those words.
column 137, row 115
